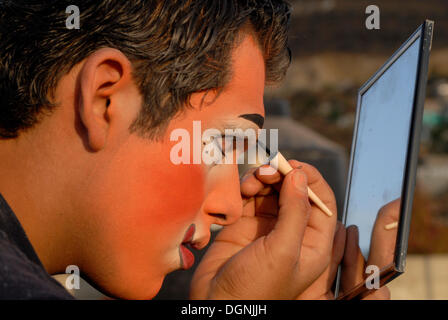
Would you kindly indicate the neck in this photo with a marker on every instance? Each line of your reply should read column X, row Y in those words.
column 29, row 185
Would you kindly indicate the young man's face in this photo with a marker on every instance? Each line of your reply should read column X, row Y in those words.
column 139, row 206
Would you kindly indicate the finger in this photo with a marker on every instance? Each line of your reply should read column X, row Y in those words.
column 382, row 246
column 388, row 214
column 321, row 288
column 293, row 215
column 267, row 178
column 317, row 184
column 353, row 263
column 295, row 165
column 266, row 205
column 323, row 226
column 252, row 182
column 250, row 185
column 338, row 253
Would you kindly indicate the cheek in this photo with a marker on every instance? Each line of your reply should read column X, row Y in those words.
column 141, row 193
column 140, row 205
column 173, row 195
column 135, row 209
column 161, row 197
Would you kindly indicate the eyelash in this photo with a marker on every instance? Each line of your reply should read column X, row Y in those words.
column 222, row 137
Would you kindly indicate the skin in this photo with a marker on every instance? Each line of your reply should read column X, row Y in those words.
column 382, row 246
column 90, row 193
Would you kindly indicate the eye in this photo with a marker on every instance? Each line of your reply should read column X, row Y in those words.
column 212, row 152
column 227, row 149
column 233, row 146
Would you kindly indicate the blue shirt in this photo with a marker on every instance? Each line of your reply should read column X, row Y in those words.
column 22, row 275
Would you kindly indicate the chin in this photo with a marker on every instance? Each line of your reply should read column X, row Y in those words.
column 129, row 288
column 143, row 291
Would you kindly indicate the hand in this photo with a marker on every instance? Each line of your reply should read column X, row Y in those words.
column 354, row 266
column 346, row 247
column 382, row 245
column 321, row 289
column 381, row 252
column 280, row 245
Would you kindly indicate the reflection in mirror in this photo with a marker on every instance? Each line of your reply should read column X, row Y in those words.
column 379, row 162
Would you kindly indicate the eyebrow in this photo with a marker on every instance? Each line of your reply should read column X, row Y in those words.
column 256, row 118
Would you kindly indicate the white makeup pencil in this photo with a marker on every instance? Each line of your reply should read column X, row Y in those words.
column 284, row 167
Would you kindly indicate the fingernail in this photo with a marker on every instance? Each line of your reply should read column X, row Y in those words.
column 300, row 181
column 354, row 230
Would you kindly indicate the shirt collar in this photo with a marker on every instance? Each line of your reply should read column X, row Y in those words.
column 11, row 229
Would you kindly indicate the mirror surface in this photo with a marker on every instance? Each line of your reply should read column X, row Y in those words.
column 379, row 161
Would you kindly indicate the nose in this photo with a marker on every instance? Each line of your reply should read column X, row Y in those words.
column 223, row 204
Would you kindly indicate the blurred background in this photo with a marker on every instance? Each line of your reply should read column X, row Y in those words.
column 333, row 55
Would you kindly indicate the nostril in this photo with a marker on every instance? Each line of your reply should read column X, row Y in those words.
column 219, row 216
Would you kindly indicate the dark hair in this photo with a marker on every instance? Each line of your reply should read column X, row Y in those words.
column 176, row 48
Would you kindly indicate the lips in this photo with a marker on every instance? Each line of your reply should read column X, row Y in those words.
column 186, row 256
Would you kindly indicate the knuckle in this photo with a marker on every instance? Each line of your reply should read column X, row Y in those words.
column 285, row 256
column 313, row 173
column 313, row 169
column 295, row 163
column 299, row 203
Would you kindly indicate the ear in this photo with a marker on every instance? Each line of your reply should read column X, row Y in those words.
column 102, row 79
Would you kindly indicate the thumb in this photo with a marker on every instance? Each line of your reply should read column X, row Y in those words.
column 293, row 214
